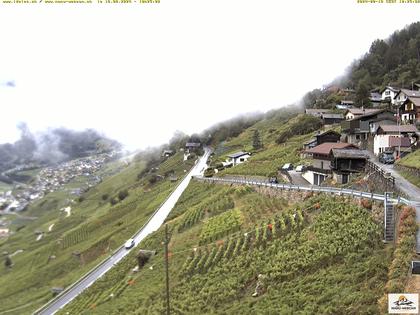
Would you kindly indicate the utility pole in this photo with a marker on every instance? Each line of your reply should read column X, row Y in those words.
column 399, row 133
column 167, row 270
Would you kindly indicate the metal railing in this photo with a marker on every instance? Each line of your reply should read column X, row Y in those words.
column 310, row 188
column 372, row 167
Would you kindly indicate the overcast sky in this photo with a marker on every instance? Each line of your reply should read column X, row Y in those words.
column 140, row 72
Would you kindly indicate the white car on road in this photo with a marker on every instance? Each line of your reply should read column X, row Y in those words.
column 130, row 243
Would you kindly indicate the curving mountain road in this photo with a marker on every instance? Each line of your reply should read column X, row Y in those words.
column 155, row 221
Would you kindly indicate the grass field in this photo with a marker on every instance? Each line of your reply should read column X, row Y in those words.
column 321, row 255
column 412, row 178
column 411, row 160
column 267, row 160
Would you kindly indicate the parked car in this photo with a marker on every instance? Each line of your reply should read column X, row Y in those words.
column 130, row 243
column 300, row 168
column 273, row 180
column 287, row 167
column 386, row 158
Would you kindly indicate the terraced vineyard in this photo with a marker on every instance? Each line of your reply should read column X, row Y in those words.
column 221, row 225
column 202, row 259
column 323, row 255
column 78, row 242
column 75, row 237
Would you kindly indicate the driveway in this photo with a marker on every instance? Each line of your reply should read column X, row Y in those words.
column 297, row 178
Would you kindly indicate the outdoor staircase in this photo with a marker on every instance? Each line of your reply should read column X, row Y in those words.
column 389, row 234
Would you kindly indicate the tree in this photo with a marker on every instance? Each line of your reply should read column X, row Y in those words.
column 309, row 99
column 256, row 140
column 122, row 194
column 362, row 94
column 8, row 262
column 178, row 140
column 152, row 179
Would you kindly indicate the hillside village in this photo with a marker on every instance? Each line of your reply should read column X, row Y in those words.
column 389, row 125
column 352, row 136
column 53, row 178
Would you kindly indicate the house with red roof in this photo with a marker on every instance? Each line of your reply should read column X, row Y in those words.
column 336, row 160
column 400, row 139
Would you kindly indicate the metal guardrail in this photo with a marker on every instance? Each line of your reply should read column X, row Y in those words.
column 372, row 167
column 66, row 290
column 325, row 189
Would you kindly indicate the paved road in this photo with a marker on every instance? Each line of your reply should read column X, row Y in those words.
column 403, row 185
column 152, row 225
column 412, row 191
column 297, row 178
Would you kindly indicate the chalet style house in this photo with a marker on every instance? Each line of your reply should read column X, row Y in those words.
column 409, row 110
column 358, row 129
column 400, row 139
column 404, row 94
column 320, row 138
column 358, row 112
column 346, row 162
column 331, row 118
column 238, row 158
column 389, row 93
column 334, row 159
column 375, row 98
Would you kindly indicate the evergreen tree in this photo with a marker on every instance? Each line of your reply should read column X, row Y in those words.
column 256, row 140
column 362, row 94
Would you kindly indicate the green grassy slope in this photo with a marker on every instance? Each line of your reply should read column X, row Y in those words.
column 411, row 160
column 322, row 255
column 78, row 242
column 266, row 161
